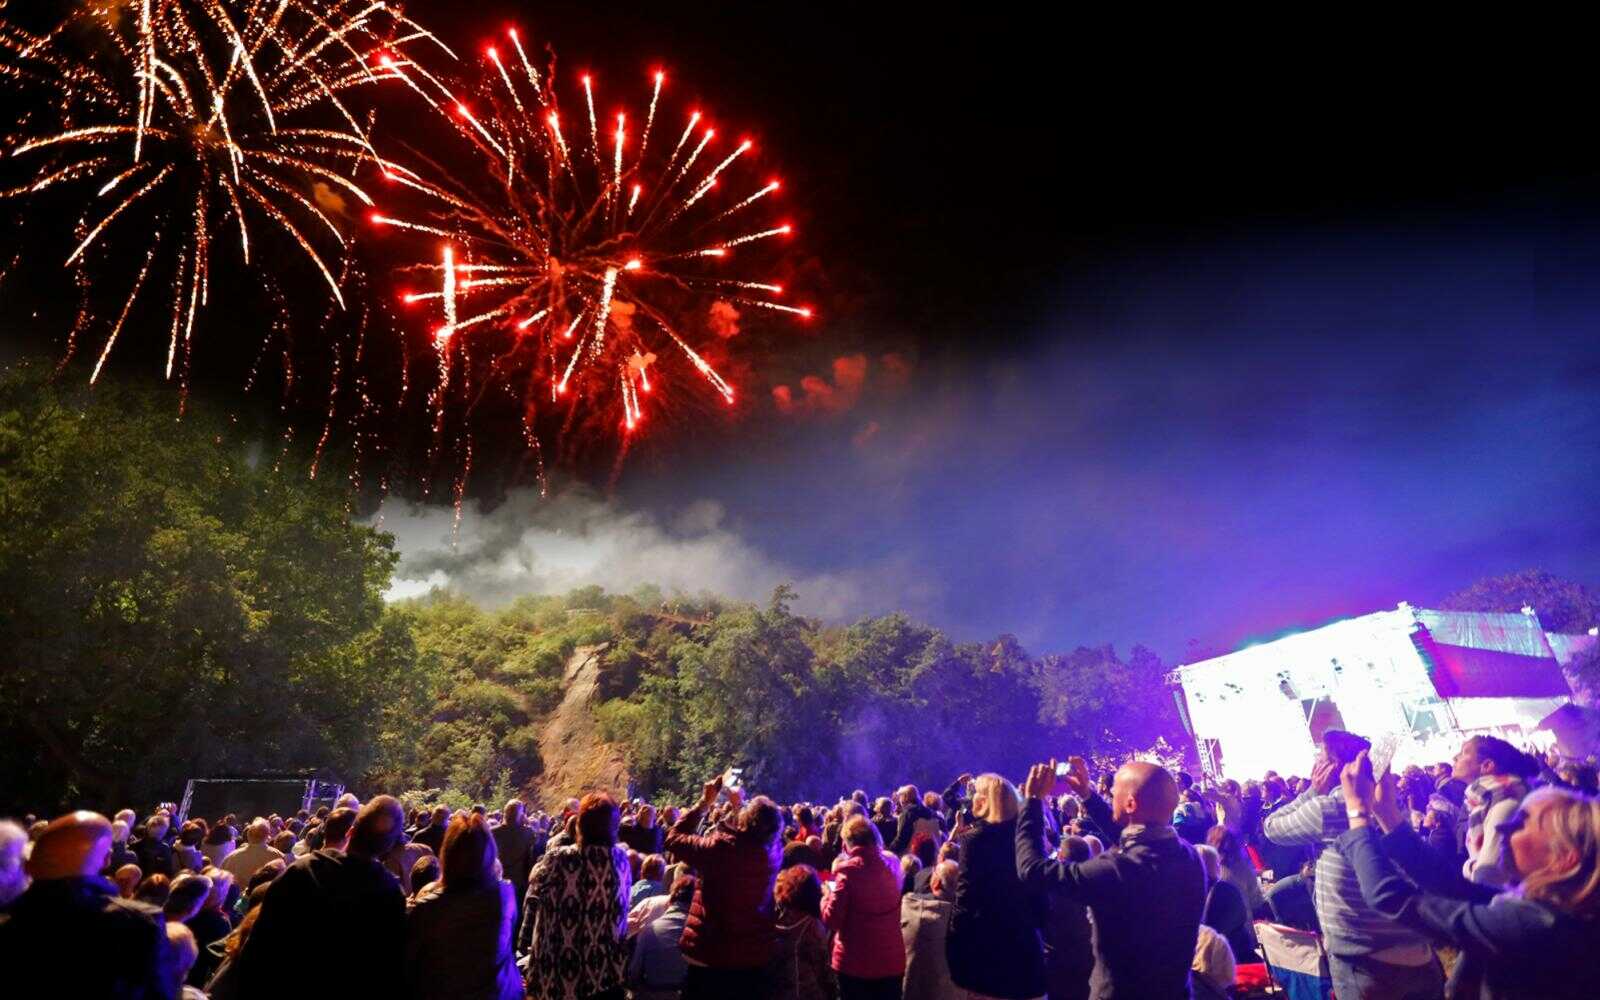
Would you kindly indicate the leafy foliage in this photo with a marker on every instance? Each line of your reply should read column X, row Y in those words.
column 170, row 605
column 1562, row 605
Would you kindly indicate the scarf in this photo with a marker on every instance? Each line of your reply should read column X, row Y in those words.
column 1481, row 795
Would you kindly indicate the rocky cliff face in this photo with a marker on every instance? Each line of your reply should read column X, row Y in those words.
column 575, row 759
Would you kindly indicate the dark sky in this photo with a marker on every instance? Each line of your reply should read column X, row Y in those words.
column 1144, row 331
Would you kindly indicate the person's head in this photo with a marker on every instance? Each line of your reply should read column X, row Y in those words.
column 466, row 860
column 925, row 848
column 932, row 801
column 513, row 812
column 258, row 831
column 441, row 816
column 156, row 826
column 13, row 877
column 424, row 872
column 76, row 845
column 187, row 897
column 799, row 890
column 266, row 873
column 1075, row 848
column 1555, row 850
column 950, row 850
column 1340, row 747
column 907, row 795
column 1582, row 777
column 127, row 817
column 119, row 832
column 800, row 852
column 220, row 834
column 335, row 830
column 909, row 866
column 1228, row 845
column 761, row 819
column 1144, row 793
column 379, row 826
column 1095, row 846
column 1483, row 755
column 994, row 799
column 154, row 890
column 1210, row 861
column 348, row 801
column 598, row 819
column 183, row 947
column 654, row 868
column 882, row 807
column 860, row 833
column 283, row 841
column 127, row 880
column 221, row 886
column 805, row 817
column 189, row 834
column 647, row 816
column 943, row 880
column 681, row 892
column 1185, row 781
column 1274, row 788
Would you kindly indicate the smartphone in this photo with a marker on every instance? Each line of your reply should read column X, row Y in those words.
column 1382, row 755
column 1062, row 769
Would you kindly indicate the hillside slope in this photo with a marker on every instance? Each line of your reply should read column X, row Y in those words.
column 575, row 759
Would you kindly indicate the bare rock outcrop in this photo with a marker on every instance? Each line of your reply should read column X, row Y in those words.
column 575, row 759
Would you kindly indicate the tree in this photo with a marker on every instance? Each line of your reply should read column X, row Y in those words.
column 170, row 606
column 1562, row 605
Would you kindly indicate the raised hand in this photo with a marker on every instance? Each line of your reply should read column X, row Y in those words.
column 708, row 793
column 1356, row 780
column 1077, row 777
column 1387, row 807
column 1041, row 781
column 1324, row 776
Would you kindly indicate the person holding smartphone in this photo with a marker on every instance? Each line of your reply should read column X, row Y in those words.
column 1539, row 939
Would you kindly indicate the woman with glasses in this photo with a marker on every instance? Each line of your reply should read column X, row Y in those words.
column 1539, row 938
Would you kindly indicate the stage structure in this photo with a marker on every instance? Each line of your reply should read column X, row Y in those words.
column 1431, row 678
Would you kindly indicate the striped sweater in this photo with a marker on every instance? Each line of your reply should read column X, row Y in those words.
column 1350, row 928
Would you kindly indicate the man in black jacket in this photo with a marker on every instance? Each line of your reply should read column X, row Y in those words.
column 914, row 818
column 1146, row 894
column 333, row 917
column 153, row 852
column 433, row 834
column 513, row 844
column 71, row 934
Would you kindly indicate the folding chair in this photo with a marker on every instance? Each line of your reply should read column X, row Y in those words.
column 1296, row 961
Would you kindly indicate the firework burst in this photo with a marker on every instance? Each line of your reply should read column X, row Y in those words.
column 573, row 258
column 189, row 122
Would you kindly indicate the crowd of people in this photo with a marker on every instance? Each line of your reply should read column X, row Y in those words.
column 1477, row 878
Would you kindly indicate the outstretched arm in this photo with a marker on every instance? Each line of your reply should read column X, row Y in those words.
column 1034, row 868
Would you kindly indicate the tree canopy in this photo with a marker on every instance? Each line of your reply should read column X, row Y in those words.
column 172, row 605
column 1562, row 605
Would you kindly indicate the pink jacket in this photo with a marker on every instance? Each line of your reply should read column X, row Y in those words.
column 864, row 912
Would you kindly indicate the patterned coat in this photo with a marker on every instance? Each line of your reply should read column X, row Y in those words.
column 575, row 921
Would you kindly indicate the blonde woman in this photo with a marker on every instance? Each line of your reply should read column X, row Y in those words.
column 1539, row 939
column 993, row 945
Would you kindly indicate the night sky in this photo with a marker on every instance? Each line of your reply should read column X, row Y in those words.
column 1129, row 332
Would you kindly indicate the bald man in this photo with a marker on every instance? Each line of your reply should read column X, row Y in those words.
column 1146, row 894
column 70, row 913
column 333, row 916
